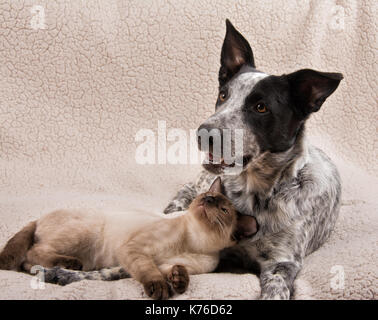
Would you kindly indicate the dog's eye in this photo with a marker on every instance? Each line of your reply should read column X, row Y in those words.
column 261, row 108
column 222, row 95
column 225, row 210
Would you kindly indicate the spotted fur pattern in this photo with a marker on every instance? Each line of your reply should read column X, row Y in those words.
column 61, row 276
column 292, row 189
column 296, row 214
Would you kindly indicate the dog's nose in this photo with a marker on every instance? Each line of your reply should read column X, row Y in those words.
column 206, row 131
column 204, row 126
column 209, row 199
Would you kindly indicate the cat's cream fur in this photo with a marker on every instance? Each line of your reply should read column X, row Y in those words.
column 154, row 250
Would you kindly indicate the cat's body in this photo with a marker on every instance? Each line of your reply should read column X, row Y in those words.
column 151, row 248
column 92, row 237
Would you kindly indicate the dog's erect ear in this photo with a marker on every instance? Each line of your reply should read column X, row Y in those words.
column 309, row 88
column 216, row 186
column 236, row 52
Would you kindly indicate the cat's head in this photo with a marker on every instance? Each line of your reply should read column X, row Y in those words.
column 216, row 211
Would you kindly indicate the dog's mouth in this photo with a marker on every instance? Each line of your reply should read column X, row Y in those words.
column 219, row 162
column 222, row 164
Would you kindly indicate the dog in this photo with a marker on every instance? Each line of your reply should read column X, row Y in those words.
column 290, row 188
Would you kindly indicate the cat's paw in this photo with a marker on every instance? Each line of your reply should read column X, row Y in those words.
column 179, row 277
column 157, row 289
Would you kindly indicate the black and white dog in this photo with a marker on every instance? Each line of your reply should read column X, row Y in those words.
column 291, row 188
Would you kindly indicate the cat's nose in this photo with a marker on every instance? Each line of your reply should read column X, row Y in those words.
column 209, row 199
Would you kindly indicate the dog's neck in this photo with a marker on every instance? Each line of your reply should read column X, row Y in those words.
column 268, row 170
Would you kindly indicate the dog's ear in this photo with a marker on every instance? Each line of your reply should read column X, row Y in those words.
column 216, row 186
column 236, row 52
column 309, row 88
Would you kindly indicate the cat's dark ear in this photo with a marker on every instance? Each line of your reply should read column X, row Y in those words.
column 236, row 52
column 216, row 186
column 309, row 88
column 246, row 227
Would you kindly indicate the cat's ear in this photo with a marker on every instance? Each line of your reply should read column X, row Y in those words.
column 216, row 186
column 246, row 227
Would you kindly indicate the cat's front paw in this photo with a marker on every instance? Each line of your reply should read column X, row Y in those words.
column 179, row 277
column 157, row 289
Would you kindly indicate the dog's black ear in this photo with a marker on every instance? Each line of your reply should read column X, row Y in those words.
column 216, row 186
column 309, row 88
column 236, row 52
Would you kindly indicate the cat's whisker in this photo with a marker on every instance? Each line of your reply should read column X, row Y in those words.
column 221, row 224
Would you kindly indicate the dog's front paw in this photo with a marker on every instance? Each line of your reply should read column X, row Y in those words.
column 179, row 278
column 157, row 289
column 275, row 293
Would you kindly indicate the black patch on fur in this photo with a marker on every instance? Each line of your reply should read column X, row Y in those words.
column 236, row 260
column 276, row 130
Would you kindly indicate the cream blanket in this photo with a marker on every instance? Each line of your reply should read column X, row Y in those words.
column 79, row 79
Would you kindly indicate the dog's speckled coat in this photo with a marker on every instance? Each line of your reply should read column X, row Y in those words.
column 292, row 189
column 74, row 94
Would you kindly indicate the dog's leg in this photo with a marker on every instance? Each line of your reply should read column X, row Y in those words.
column 277, row 268
column 279, row 257
column 189, row 191
column 182, row 199
column 277, row 279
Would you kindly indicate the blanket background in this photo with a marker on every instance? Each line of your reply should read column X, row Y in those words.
column 78, row 79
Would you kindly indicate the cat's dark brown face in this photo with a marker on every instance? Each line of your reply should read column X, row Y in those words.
column 215, row 211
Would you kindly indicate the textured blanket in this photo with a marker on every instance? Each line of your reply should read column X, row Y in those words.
column 80, row 79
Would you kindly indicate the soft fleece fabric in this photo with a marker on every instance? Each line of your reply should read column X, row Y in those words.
column 76, row 88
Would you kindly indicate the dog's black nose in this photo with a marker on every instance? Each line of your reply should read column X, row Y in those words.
column 208, row 133
column 204, row 126
column 209, row 199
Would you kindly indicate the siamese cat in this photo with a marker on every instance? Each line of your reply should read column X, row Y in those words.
column 157, row 251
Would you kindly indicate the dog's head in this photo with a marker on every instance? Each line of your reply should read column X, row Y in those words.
column 271, row 110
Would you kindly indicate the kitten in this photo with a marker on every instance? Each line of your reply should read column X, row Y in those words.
column 157, row 251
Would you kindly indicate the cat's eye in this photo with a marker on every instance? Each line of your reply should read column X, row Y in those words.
column 261, row 108
column 222, row 95
column 224, row 210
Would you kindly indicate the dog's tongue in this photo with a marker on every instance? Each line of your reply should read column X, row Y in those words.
column 222, row 163
column 211, row 158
